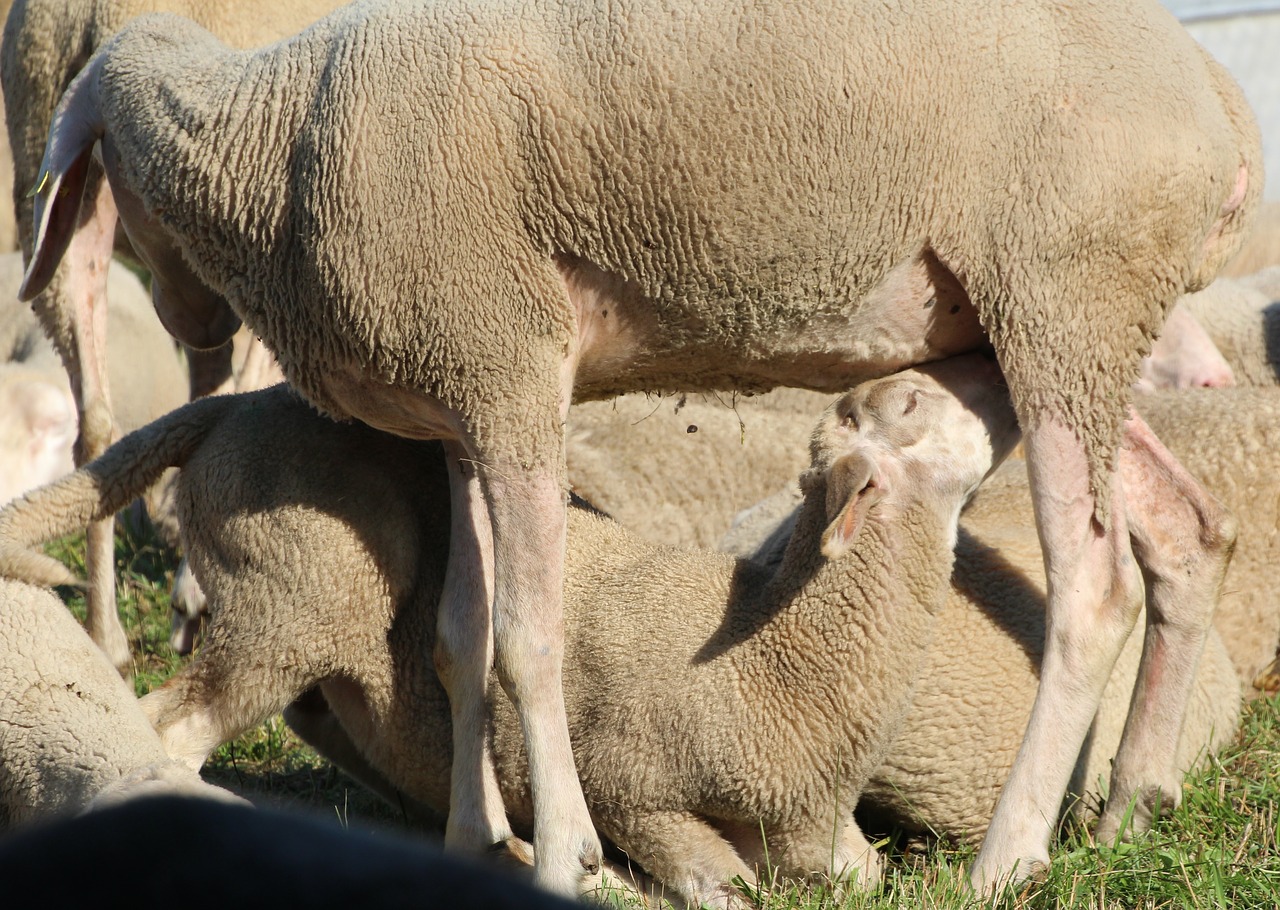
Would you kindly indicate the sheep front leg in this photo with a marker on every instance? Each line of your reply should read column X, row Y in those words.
column 527, row 509
column 1183, row 537
column 1094, row 595
column 463, row 656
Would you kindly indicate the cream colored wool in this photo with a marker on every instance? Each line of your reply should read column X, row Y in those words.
column 71, row 731
column 676, row 469
column 1242, row 317
column 723, row 273
column 46, row 44
column 1229, row 439
column 687, row 675
column 452, row 218
column 667, row 471
column 147, row 375
column 973, row 697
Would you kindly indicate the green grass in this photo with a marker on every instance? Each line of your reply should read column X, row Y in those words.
column 1219, row 849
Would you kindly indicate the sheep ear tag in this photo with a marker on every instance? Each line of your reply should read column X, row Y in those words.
column 58, row 194
column 853, row 487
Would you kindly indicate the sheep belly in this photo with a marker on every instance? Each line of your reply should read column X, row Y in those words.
column 916, row 313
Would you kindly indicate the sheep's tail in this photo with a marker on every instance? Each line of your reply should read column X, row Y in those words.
column 100, row 489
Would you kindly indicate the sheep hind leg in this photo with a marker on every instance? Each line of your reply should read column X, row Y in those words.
column 218, row 696
column 1183, row 538
column 463, row 655
column 1094, row 596
column 527, row 511
column 84, row 354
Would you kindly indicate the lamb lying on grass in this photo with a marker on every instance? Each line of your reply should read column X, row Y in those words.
column 72, row 734
column 707, row 702
column 944, row 771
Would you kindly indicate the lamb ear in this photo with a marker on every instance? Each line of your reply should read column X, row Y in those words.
column 59, row 189
column 853, row 487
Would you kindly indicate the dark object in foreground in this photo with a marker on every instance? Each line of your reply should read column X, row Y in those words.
column 234, row 856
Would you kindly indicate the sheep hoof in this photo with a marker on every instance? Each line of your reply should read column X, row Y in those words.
column 1269, row 679
column 514, row 852
column 589, row 857
column 1118, row 822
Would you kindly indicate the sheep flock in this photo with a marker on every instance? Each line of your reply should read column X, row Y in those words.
column 649, row 448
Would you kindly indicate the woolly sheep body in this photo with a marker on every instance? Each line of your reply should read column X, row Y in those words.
column 637, row 459
column 71, row 730
column 674, row 471
column 1261, row 249
column 255, row 502
column 587, row 228
column 959, row 740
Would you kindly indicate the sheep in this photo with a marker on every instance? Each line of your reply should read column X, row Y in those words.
column 450, row 220
column 72, row 734
column 37, row 410
column 1241, row 317
column 1184, row 356
column 668, row 470
column 944, row 771
column 45, row 44
column 683, row 657
column 942, row 774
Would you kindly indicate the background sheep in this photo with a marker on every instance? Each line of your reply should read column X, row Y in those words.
column 1242, row 318
column 1261, row 249
column 71, row 730
column 249, row 501
column 544, row 258
column 46, row 42
column 36, row 406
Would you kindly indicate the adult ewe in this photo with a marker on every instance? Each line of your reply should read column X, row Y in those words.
column 450, row 219
column 46, row 42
